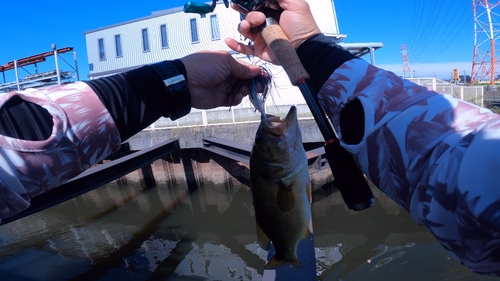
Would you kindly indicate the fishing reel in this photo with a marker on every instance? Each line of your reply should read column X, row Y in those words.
column 204, row 8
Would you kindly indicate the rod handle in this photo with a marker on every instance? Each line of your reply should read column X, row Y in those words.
column 277, row 40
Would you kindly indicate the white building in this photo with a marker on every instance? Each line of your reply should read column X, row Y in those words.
column 164, row 35
column 171, row 34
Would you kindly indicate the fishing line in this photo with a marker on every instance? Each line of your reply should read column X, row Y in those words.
column 264, row 83
column 259, row 89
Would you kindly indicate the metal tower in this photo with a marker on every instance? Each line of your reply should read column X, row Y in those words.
column 486, row 31
column 406, row 63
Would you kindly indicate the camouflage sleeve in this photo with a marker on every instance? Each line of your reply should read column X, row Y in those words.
column 83, row 133
column 433, row 154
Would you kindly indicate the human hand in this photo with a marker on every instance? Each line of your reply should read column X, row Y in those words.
column 296, row 20
column 211, row 77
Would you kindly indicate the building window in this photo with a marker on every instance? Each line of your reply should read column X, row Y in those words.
column 118, row 45
column 91, row 67
column 102, row 52
column 145, row 40
column 163, row 35
column 215, row 27
column 194, row 31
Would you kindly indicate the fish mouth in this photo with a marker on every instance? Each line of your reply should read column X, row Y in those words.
column 277, row 126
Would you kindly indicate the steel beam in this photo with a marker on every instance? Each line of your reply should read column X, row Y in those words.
column 241, row 152
column 96, row 177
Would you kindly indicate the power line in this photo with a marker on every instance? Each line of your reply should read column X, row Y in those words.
column 435, row 26
column 446, row 35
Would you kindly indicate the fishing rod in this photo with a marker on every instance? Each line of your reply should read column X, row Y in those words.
column 349, row 180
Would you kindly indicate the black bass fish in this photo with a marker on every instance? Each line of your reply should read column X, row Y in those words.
column 281, row 187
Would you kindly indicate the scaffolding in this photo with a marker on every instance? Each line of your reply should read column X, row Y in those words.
column 43, row 79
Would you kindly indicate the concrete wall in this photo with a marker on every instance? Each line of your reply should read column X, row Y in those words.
column 190, row 137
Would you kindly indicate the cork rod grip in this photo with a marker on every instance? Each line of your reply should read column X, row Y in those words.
column 277, row 40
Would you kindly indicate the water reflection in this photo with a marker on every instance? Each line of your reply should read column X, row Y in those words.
column 197, row 223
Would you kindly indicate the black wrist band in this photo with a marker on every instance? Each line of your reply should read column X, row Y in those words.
column 178, row 96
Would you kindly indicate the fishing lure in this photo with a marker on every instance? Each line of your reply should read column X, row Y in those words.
column 259, row 89
column 258, row 98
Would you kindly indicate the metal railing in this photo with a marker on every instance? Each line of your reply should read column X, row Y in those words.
column 245, row 113
column 234, row 115
column 472, row 94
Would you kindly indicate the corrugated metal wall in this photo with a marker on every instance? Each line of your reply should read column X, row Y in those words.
column 179, row 36
column 325, row 16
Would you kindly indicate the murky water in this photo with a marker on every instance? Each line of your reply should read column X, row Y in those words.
column 197, row 223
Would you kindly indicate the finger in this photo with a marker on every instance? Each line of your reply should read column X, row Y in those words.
column 243, row 70
column 239, row 47
column 293, row 5
column 245, row 29
column 235, row 100
column 238, row 8
column 250, row 51
column 255, row 19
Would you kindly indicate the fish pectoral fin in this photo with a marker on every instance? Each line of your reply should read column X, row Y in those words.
column 275, row 263
column 285, row 197
column 262, row 238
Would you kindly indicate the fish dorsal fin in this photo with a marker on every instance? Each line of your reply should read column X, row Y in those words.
column 262, row 238
column 285, row 197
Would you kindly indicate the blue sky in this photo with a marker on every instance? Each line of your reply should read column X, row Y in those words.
column 438, row 34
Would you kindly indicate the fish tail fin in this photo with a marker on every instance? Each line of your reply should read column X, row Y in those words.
column 275, row 263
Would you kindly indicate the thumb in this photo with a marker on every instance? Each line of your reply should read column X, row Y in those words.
column 242, row 70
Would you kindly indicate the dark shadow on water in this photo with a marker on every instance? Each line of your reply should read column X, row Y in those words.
column 115, row 258
column 232, row 167
column 227, row 225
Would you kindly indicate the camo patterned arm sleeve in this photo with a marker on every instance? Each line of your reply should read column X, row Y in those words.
column 436, row 156
column 83, row 133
